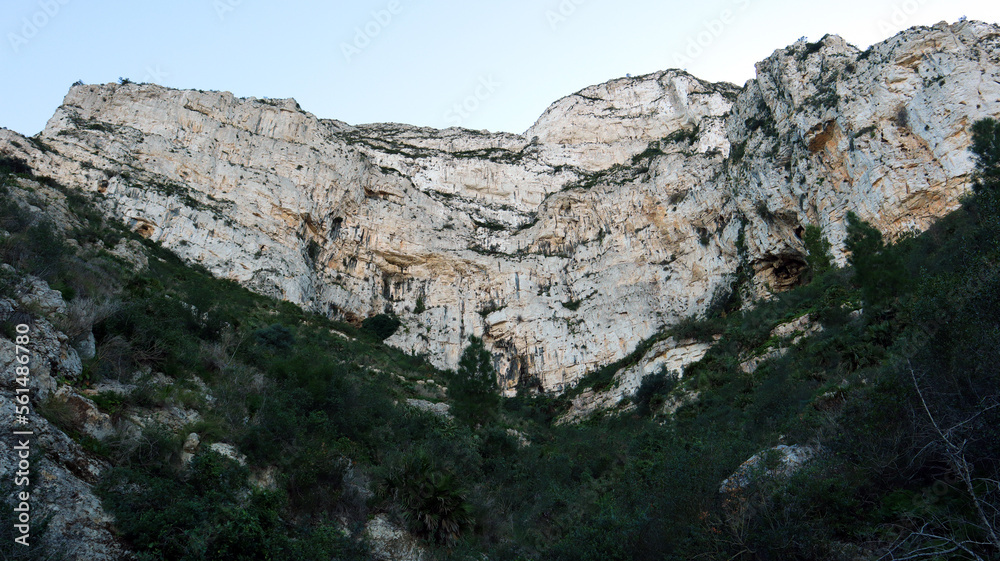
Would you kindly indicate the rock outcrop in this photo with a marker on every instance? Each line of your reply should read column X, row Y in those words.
column 626, row 207
column 669, row 357
column 60, row 471
column 778, row 462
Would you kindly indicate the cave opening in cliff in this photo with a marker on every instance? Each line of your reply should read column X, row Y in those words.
column 781, row 272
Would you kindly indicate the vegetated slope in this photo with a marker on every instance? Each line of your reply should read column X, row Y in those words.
column 618, row 213
column 173, row 351
column 887, row 392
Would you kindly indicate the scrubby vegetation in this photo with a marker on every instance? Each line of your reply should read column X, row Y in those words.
column 897, row 395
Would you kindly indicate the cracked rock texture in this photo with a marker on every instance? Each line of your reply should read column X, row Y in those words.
column 60, row 470
column 671, row 357
column 627, row 206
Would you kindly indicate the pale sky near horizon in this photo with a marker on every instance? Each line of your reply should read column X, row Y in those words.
column 481, row 65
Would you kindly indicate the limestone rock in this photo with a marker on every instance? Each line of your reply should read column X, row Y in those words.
column 627, row 207
column 84, row 414
column 133, row 254
column 677, row 400
column 190, row 447
column 790, row 334
column 229, row 451
column 669, row 356
column 44, row 299
column 266, row 479
column 780, row 461
column 440, row 409
column 62, row 478
column 86, row 346
column 50, row 353
column 800, row 327
column 522, row 441
column 390, row 543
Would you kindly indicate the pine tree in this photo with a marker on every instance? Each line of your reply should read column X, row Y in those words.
column 986, row 147
column 817, row 250
column 474, row 390
column 986, row 201
column 877, row 270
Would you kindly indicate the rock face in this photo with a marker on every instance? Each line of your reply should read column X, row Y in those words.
column 669, row 356
column 391, row 543
column 777, row 462
column 62, row 476
column 626, row 207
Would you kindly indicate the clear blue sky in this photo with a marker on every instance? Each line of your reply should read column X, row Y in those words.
column 505, row 62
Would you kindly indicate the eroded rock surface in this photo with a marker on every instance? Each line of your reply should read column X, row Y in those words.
column 627, row 206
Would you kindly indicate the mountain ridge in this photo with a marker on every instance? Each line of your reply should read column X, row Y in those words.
column 566, row 246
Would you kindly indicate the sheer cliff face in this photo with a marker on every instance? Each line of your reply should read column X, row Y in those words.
column 619, row 212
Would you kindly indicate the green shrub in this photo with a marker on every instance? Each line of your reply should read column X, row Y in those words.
column 381, row 326
column 11, row 165
column 572, row 305
column 275, row 336
column 986, row 149
column 209, row 512
column 653, row 390
column 111, row 402
column 433, row 501
column 878, row 269
column 699, row 329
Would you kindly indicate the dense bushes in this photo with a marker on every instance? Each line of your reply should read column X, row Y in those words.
column 878, row 270
column 205, row 512
column 10, row 165
column 382, row 326
column 653, row 391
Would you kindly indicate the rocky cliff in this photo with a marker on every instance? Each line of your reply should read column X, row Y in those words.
column 627, row 206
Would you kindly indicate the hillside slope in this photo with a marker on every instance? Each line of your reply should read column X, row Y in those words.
column 179, row 416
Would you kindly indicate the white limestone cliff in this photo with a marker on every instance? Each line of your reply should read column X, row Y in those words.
column 627, row 206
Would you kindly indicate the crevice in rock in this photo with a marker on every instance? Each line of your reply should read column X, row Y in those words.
column 781, row 272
